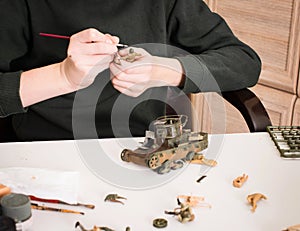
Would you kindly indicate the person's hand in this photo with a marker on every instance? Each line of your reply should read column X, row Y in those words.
column 89, row 53
column 147, row 71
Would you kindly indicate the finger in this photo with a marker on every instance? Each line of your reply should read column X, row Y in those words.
column 123, row 84
column 113, row 39
column 141, row 51
column 116, row 39
column 92, row 48
column 138, row 68
column 130, row 68
column 91, row 60
column 134, row 74
column 120, row 74
column 132, row 78
column 88, row 36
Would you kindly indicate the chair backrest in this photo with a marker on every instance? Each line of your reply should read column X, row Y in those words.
column 250, row 107
column 244, row 100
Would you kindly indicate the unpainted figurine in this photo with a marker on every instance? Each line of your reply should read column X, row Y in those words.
column 114, row 198
column 184, row 212
column 293, row 228
column 194, row 201
column 169, row 146
column 191, row 200
column 200, row 159
column 254, row 198
column 95, row 228
column 239, row 181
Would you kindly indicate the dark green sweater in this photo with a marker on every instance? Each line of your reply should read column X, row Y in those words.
column 212, row 57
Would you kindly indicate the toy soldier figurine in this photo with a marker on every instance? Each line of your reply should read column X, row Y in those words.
column 131, row 56
column 184, row 213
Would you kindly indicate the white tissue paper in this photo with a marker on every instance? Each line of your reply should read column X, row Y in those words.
column 43, row 183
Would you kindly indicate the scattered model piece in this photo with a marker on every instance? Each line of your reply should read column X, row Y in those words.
column 168, row 147
column 194, row 201
column 191, row 200
column 200, row 159
column 254, row 198
column 183, row 213
column 239, row 181
column 127, row 228
column 160, row 223
column 293, row 228
column 95, row 228
column 201, row 178
column 114, row 197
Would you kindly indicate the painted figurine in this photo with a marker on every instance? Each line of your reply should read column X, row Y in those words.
column 114, row 198
column 95, row 228
column 184, row 213
column 131, row 56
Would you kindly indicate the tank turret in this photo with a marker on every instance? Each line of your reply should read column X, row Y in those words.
column 168, row 146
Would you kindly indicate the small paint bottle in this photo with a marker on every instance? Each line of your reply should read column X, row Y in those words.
column 17, row 207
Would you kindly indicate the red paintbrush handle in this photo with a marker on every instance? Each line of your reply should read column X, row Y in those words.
column 54, row 35
column 43, row 200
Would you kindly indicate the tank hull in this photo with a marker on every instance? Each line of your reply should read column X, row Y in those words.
column 181, row 148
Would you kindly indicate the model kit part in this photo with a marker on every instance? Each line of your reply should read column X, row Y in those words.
column 95, row 228
column 239, row 181
column 293, row 228
column 160, row 223
column 114, row 198
column 254, row 198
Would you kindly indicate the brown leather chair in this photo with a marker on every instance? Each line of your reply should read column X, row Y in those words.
column 244, row 100
column 250, row 107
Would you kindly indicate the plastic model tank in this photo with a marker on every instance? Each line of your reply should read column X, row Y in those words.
column 168, row 147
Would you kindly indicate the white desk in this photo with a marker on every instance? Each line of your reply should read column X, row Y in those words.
column 253, row 154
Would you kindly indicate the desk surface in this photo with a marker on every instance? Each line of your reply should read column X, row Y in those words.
column 252, row 154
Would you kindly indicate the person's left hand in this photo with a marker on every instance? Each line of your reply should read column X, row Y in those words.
column 147, row 71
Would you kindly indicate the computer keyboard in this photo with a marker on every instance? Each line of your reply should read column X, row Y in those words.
column 286, row 139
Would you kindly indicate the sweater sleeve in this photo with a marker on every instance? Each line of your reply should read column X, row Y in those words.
column 218, row 61
column 14, row 33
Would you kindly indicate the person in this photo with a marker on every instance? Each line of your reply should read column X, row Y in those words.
column 51, row 85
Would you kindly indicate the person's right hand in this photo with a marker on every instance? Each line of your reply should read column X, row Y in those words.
column 89, row 53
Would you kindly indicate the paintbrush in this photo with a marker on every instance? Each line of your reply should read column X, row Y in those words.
column 46, row 208
column 68, row 37
column 59, row 202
